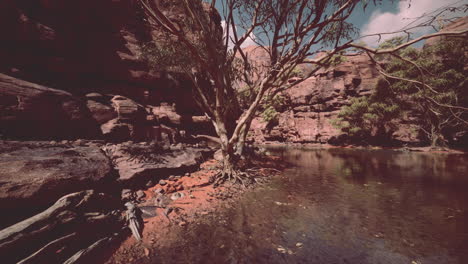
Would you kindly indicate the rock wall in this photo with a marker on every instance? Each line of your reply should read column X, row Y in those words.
column 84, row 47
column 310, row 106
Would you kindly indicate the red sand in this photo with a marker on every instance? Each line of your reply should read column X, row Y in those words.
column 200, row 199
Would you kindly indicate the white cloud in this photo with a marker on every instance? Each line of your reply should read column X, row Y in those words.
column 248, row 42
column 408, row 12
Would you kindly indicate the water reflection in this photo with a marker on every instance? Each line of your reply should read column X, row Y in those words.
column 341, row 206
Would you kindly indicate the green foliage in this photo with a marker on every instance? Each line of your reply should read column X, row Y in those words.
column 165, row 55
column 368, row 114
column 270, row 114
column 297, row 72
column 441, row 83
column 271, row 107
column 337, row 59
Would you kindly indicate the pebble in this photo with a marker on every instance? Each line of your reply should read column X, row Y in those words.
column 299, row 244
column 281, row 249
column 140, row 194
column 177, row 195
column 162, row 182
column 149, row 184
column 158, row 190
column 126, row 194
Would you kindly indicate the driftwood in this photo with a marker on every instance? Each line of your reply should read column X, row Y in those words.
column 33, row 240
column 86, row 255
column 45, row 254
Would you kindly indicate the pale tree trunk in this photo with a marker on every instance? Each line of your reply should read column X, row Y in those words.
column 240, row 145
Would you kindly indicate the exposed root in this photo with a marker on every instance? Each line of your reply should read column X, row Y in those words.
column 235, row 177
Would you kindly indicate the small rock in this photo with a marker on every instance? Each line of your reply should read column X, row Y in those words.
column 127, row 194
column 171, row 178
column 187, row 174
column 158, row 191
column 379, row 235
column 177, row 195
column 64, row 142
column 299, row 244
column 150, row 184
column 140, row 194
column 281, row 249
column 162, row 182
column 182, row 223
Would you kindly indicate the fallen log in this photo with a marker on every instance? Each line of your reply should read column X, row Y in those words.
column 46, row 254
column 85, row 211
column 86, row 255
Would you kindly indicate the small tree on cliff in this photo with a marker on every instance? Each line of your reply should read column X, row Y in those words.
column 291, row 32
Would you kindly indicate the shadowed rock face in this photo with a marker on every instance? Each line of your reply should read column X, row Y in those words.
column 86, row 46
column 28, row 110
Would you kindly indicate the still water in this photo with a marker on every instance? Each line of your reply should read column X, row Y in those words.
column 341, row 206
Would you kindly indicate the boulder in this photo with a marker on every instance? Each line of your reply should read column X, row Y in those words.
column 127, row 109
column 115, row 131
column 167, row 114
column 35, row 174
column 137, row 164
column 100, row 112
column 30, row 110
column 130, row 124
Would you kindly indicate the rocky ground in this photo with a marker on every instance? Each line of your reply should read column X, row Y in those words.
column 179, row 202
column 64, row 201
column 56, row 192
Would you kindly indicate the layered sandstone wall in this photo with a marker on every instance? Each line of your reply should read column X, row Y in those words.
column 84, row 47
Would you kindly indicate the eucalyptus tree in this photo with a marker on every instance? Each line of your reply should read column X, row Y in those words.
column 290, row 32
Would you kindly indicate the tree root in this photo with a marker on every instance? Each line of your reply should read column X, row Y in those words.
column 234, row 176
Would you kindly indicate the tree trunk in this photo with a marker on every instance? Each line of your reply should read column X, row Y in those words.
column 242, row 137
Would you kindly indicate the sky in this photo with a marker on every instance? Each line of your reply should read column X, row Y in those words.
column 391, row 16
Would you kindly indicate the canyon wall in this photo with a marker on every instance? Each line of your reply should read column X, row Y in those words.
column 85, row 48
